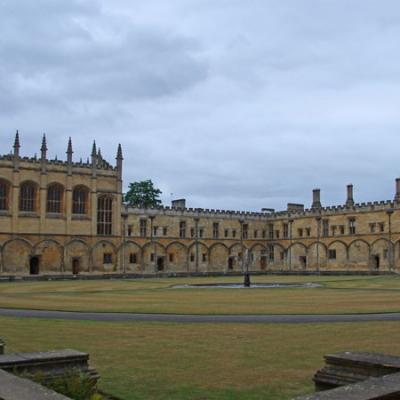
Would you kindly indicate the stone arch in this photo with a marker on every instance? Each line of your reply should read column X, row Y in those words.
column 317, row 255
column 51, row 255
column 382, row 254
column 77, row 256
column 359, row 254
column 339, row 257
column 16, row 255
column 278, row 258
column 203, row 257
column 104, row 257
column 297, row 256
column 218, row 255
column 177, row 257
column 130, row 254
column 258, row 257
column 154, row 258
column 236, row 253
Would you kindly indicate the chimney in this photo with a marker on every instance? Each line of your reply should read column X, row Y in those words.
column 397, row 197
column 316, row 199
column 350, row 198
column 180, row 203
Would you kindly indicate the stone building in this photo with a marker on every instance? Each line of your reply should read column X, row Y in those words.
column 66, row 217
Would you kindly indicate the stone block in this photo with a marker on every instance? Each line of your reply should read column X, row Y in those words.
column 382, row 388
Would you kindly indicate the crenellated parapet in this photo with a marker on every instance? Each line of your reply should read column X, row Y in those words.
column 196, row 212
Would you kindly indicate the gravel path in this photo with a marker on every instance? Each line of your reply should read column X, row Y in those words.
column 126, row 317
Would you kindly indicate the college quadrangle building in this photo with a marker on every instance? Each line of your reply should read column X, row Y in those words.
column 66, row 217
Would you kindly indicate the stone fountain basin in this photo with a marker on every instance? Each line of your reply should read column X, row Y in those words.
column 308, row 285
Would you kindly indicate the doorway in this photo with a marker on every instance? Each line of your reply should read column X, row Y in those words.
column 75, row 266
column 160, row 264
column 34, row 265
column 263, row 262
column 230, row 263
column 303, row 262
column 377, row 262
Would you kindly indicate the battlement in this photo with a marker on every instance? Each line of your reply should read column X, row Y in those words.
column 265, row 216
column 196, row 212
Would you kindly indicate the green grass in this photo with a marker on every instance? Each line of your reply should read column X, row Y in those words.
column 202, row 361
column 337, row 295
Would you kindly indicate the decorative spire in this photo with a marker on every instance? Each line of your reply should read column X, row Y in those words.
column 44, row 144
column 16, row 152
column 119, row 152
column 43, row 149
column 119, row 159
column 94, row 153
column 69, row 151
column 16, row 141
column 99, row 154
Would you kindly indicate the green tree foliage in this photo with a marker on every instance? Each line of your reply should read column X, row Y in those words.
column 143, row 194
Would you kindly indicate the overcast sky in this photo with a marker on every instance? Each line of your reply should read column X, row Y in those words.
column 231, row 104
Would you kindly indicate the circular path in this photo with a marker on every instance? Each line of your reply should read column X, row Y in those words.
column 126, row 317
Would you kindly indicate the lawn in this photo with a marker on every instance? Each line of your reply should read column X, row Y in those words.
column 202, row 361
column 336, row 295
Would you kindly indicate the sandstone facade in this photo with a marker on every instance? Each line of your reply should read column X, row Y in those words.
column 68, row 217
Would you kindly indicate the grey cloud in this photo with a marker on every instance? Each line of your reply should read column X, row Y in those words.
column 231, row 104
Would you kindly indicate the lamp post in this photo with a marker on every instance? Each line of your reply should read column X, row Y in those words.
column 290, row 244
column 124, row 218
column 245, row 261
column 196, row 224
column 153, row 242
column 389, row 214
column 318, row 239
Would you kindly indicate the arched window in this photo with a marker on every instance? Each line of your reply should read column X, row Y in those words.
column 104, row 215
column 80, row 200
column 27, row 197
column 55, row 198
column 4, row 193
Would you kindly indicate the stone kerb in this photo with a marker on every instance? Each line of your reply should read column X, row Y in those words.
column 51, row 364
column 382, row 388
column 357, row 376
column 351, row 367
column 15, row 388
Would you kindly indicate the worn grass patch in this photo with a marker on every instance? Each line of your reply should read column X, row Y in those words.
column 202, row 361
column 338, row 295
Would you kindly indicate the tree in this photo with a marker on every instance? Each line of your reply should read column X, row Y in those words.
column 143, row 194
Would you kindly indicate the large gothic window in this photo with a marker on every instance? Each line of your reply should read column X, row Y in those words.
column 80, row 200
column 54, row 198
column 104, row 215
column 4, row 193
column 27, row 197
